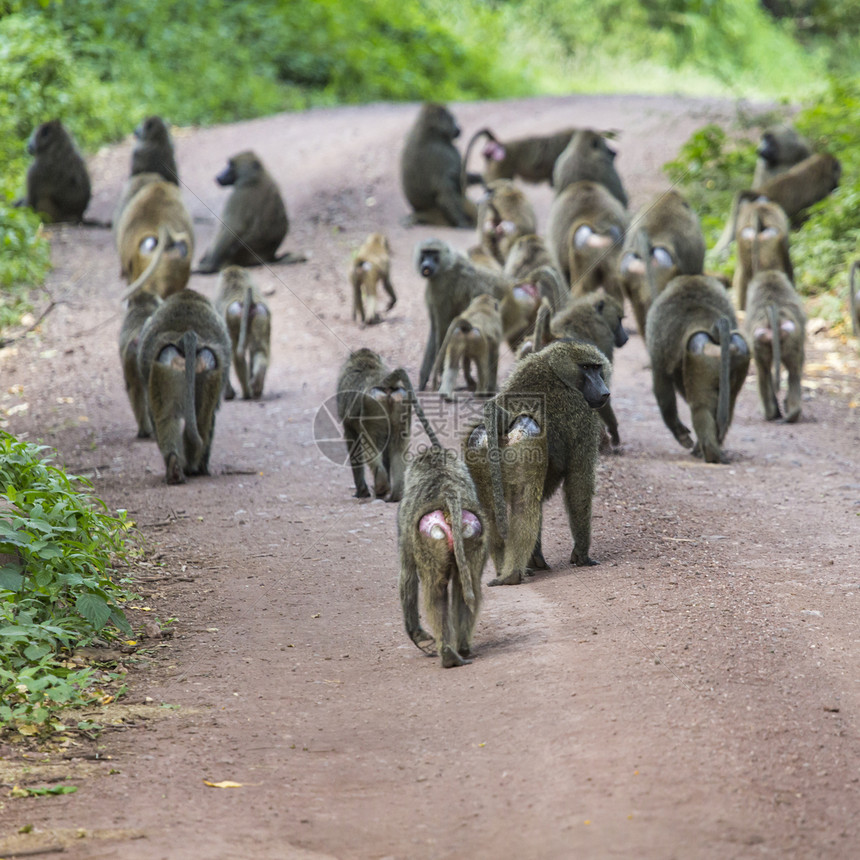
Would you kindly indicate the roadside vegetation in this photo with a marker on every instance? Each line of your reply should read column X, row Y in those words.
column 100, row 67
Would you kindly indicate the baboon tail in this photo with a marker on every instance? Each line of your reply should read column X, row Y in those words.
column 146, row 274
column 247, row 307
column 724, row 334
column 456, row 512
column 773, row 316
column 401, row 374
column 541, row 335
column 464, row 174
column 189, row 348
column 494, row 462
column 644, row 250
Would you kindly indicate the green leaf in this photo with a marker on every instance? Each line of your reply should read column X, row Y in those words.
column 94, row 609
column 11, row 580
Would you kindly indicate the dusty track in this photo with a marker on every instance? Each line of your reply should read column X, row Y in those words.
column 695, row 695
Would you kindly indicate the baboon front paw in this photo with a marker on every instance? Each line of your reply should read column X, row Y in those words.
column 582, row 560
column 686, row 439
column 515, row 578
column 362, row 492
column 174, row 473
column 451, row 658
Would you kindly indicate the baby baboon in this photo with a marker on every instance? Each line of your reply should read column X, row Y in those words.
column 692, row 338
column 540, row 432
column 526, row 254
column 664, row 240
column 775, row 324
column 529, row 158
column 374, row 404
column 780, row 148
column 762, row 237
column 588, row 157
column 585, row 231
column 519, row 305
column 504, row 214
column 140, row 308
column 254, row 220
column 154, row 236
column 430, row 171
column 452, row 282
column 854, row 299
column 441, row 537
column 249, row 323
column 472, row 338
column 58, row 184
column 184, row 356
column 153, row 150
column 371, row 266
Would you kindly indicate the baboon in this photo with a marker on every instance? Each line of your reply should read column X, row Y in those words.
column 588, row 157
column 153, row 150
column 480, row 256
column 371, row 267
column 595, row 318
column 519, row 305
column 692, row 338
column 254, row 219
column 154, row 236
column 529, row 158
column 504, row 214
column 780, row 148
column 430, row 171
column 775, row 325
column 442, row 544
column 374, row 404
column 472, row 338
column 761, row 233
column 140, row 308
column 249, row 324
column 452, row 282
column 184, row 357
column 58, row 183
column 854, row 299
column 585, row 231
column 526, row 254
column 540, row 432
column 664, row 240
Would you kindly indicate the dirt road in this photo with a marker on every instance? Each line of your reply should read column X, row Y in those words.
column 696, row 695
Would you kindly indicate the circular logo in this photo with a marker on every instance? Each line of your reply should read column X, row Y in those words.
column 362, row 436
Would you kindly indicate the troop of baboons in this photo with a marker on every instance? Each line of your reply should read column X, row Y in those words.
column 556, row 299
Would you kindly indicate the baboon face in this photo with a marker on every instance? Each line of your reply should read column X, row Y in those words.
column 593, row 387
column 429, row 262
column 45, row 136
column 243, row 167
column 440, row 120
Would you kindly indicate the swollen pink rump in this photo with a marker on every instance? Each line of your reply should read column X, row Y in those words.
column 434, row 525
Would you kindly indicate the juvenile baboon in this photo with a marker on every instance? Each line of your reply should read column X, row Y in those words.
column 775, row 324
column 442, row 545
column 529, row 158
column 249, row 323
column 254, row 219
column 588, row 157
column 430, row 171
column 371, row 267
column 153, row 150
column 526, row 254
column 452, row 282
column 664, row 240
column 780, row 148
column 58, row 183
column 540, row 432
column 154, row 236
column 761, row 233
column 374, row 404
column 519, row 305
column 140, row 308
column 595, row 318
column 585, row 231
column 854, row 299
column 472, row 338
column 692, row 338
column 184, row 357
column 504, row 214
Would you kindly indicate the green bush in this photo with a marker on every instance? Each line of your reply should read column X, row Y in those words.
column 57, row 593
